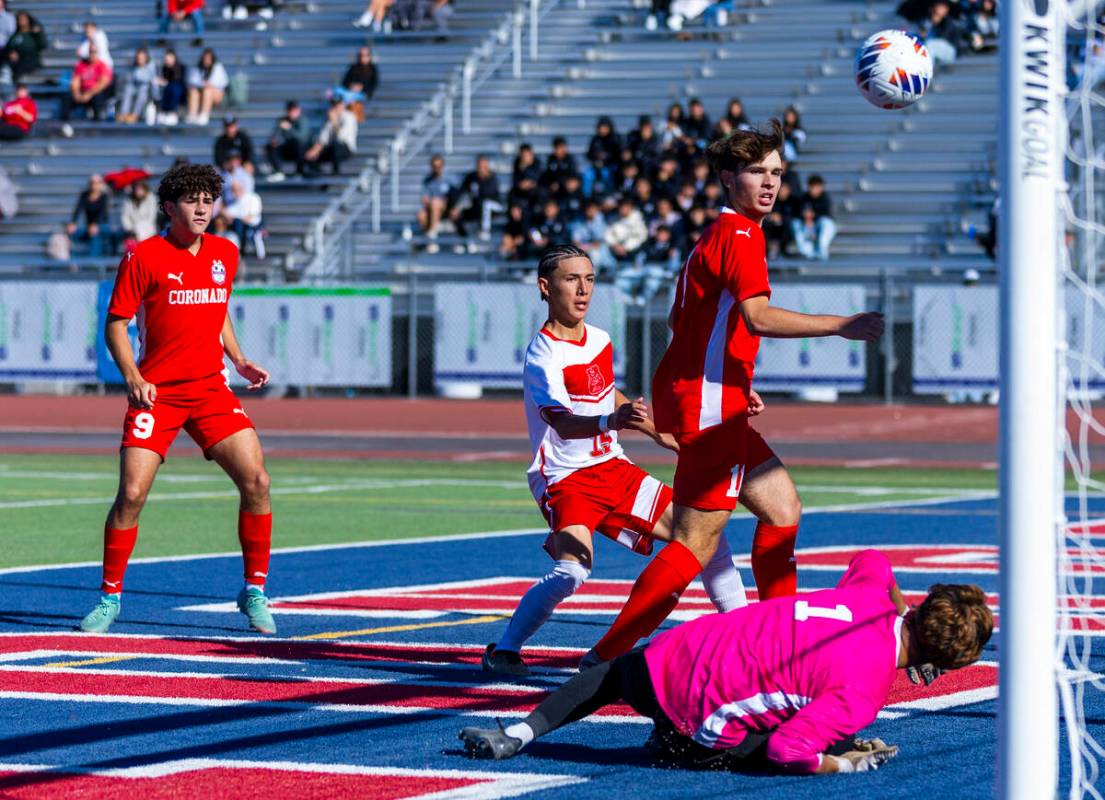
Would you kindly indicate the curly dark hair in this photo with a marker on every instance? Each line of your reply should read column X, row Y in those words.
column 741, row 148
column 182, row 180
column 952, row 625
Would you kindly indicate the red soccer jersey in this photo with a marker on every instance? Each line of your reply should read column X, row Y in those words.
column 180, row 300
column 706, row 374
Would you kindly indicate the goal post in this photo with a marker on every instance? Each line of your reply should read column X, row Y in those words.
column 1031, row 153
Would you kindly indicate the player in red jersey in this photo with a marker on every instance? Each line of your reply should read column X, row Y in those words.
column 580, row 476
column 178, row 284
column 702, row 394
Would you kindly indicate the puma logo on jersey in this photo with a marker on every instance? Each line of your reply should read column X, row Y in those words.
column 240, row 411
column 746, row 232
column 178, row 277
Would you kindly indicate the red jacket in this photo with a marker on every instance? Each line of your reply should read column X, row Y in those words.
column 10, row 117
column 184, row 6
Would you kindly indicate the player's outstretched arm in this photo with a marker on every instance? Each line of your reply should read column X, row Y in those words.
column 640, row 421
column 575, row 426
column 257, row 375
column 140, row 393
column 764, row 319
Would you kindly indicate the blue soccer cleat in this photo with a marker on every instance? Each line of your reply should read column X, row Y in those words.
column 253, row 603
column 100, row 618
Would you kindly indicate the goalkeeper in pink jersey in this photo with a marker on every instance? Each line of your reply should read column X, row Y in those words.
column 790, row 680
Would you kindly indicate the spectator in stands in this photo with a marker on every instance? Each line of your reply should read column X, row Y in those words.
column 514, row 246
column 735, row 117
column 644, row 144
column 179, row 11
column 91, row 216
column 644, row 198
column 23, row 52
column 237, row 180
column 94, row 36
column 605, row 142
column 685, row 198
column 596, row 178
column 624, row 236
column 666, row 182
column 626, row 178
column 245, row 219
column 170, row 85
column 289, row 142
column 673, row 127
column 139, row 217
column 589, row 233
column 794, row 136
column 572, row 198
column 436, row 189
column 18, row 115
column 7, row 23
column 778, row 225
column 476, row 199
column 815, row 229
column 658, row 13
column 359, row 83
column 375, row 16
column 526, row 177
column 207, row 82
column 550, row 229
column 138, row 90
column 559, row 164
column 693, row 226
column 666, row 214
column 337, row 141
column 982, row 25
column 234, row 138
column 653, row 267
column 697, row 125
column 943, row 34
column 239, row 9
column 89, row 88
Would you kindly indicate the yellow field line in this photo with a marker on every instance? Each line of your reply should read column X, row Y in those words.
column 91, row 661
column 399, row 628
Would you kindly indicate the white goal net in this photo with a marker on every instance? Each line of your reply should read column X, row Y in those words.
column 1082, row 379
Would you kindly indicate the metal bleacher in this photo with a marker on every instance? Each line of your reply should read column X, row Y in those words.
column 300, row 53
column 902, row 182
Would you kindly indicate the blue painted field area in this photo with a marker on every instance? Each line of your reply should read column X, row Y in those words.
column 376, row 668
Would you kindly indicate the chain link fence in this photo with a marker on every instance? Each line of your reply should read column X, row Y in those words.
column 417, row 331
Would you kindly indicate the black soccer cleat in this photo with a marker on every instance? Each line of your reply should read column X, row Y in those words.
column 503, row 662
column 489, row 743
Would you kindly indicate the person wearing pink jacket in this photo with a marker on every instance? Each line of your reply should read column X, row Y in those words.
column 788, row 680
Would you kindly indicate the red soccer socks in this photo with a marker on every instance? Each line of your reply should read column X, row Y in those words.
column 773, row 563
column 653, row 597
column 118, row 545
column 255, row 536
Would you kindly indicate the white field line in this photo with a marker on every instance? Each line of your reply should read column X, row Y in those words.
column 492, row 784
column 320, row 488
column 452, row 537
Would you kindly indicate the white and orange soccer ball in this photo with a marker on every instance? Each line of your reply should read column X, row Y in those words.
column 893, row 69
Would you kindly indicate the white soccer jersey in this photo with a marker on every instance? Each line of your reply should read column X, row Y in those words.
column 563, row 376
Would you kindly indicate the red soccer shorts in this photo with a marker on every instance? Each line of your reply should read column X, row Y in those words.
column 206, row 409
column 616, row 498
column 712, row 465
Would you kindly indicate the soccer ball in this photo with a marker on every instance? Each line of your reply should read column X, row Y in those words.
column 893, row 69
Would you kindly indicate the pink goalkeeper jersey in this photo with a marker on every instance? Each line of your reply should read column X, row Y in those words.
column 813, row 668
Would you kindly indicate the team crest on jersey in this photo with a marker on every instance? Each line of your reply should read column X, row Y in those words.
column 595, row 381
column 218, row 272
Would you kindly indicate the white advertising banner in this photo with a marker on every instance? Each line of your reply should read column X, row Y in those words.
column 315, row 336
column 48, row 330
column 482, row 330
column 832, row 362
column 955, row 338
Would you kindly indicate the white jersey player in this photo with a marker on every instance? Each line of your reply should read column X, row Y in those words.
column 580, row 477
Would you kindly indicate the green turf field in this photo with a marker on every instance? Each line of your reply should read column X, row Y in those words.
column 52, row 507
